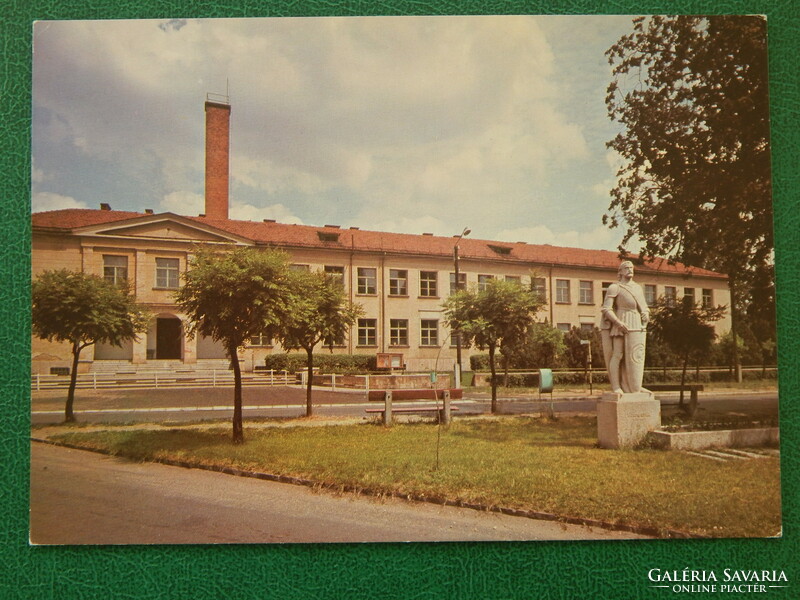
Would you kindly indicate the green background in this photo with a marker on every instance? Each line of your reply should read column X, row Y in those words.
column 465, row 570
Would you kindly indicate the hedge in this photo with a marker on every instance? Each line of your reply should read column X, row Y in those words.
column 345, row 364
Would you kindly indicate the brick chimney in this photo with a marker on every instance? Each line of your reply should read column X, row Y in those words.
column 218, row 119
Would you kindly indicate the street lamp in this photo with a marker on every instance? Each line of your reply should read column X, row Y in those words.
column 464, row 233
column 589, row 361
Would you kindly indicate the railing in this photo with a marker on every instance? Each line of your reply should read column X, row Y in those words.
column 156, row 380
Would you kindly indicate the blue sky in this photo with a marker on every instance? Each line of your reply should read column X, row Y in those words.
column 409, row 124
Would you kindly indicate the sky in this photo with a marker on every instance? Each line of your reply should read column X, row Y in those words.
column 404, row 124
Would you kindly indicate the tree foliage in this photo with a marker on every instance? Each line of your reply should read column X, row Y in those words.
column 686, row 328
column 80, row 309
column 320, row 312
column 491, row 318
column 231, row 296
column 695, row 185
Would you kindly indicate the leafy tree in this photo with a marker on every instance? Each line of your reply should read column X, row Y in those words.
column 686, row 328
column 497, row 315
column 80, row 309
column 233, row 296
column 575, row 353
column 695, row 185
column 320, row 312
column 542, row 347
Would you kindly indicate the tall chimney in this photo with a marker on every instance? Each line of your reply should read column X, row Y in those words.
column 218, row 119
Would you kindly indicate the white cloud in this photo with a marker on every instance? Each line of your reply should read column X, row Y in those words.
column 599, row 238
column 42, row 201
column 183, row 203
column 248, row 212
column 418, row 225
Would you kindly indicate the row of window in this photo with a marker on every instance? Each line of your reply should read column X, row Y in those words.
column 115, row 270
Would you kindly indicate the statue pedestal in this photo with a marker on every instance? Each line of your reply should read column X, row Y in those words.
column 623, row 420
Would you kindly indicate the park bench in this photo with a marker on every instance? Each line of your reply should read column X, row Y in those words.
column 692, row 388
column 389, row 396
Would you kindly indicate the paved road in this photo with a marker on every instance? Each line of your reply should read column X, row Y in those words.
column 289, row 401
column 80, row 497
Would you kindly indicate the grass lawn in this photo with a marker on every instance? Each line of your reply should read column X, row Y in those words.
column 518, row 462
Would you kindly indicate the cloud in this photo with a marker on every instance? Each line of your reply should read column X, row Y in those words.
column 248, row 212
column 599, row 238
column 183, row 203
column 42, row 201
column 438, row 116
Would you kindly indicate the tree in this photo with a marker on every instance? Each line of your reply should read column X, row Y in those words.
column 695, row 185
column 686, row 328
column 80, row 309
column 233, row 296
column 492, row 317
column 542, row 347
column 320, row 312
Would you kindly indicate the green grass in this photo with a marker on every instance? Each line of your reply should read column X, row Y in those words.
column 517, row 462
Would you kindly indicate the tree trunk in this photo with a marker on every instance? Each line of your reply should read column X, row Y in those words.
column 238, row 430
column 310, row 366
column 69, row 415
column 737, row 367
column 493, row 369
column 683, row 377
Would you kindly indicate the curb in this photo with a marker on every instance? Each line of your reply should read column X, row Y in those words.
column 654, row 532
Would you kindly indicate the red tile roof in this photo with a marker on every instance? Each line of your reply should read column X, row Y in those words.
column 306, row 236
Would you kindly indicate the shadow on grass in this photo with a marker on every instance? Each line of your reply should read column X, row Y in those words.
column 570, row 431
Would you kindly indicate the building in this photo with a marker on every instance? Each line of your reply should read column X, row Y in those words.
column 400, row 280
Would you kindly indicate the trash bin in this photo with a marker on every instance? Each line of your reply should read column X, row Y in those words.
column 545, row 380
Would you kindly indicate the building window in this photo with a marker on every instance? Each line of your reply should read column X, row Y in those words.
column 688, row 295
column 650, row 294
column 334, row 342
column 427, row 284
column 298, row 267
column 262, row 340
column 605, row 286
column 562, row 291
column 115, row 268
column 587, row 328
column 563, row 327
column 429, row 332
column 167, row 273
column 539, row 287
column 462, row 282
column 708, row 298
column 483, row 281
column 398, row 282
column 670, row 295
column 586, row 292
column 367, row 280
column 367, row 332
column 514, row 279
column 398, row 332
column 336, row 272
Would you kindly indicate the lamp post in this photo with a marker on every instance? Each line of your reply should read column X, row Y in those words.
column 589, row 361
column 466, row 232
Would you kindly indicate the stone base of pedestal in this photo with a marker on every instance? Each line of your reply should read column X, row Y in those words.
column 623, row 420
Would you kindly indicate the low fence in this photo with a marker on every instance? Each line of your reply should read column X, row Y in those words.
column 407, row 381
column 156, row 380
column 651, row 375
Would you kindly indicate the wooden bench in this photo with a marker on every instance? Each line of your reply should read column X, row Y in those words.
column 692, row 388
column 388, row 396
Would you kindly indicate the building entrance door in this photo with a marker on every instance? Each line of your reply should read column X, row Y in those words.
column 169, row 338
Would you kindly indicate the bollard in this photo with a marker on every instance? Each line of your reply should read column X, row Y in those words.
column 387, row 411
column 446, row 409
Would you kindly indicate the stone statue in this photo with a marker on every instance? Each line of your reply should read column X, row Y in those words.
column 623, row 325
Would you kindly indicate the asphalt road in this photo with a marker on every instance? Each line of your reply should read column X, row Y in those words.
column 80, row 497
column 171, row 404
